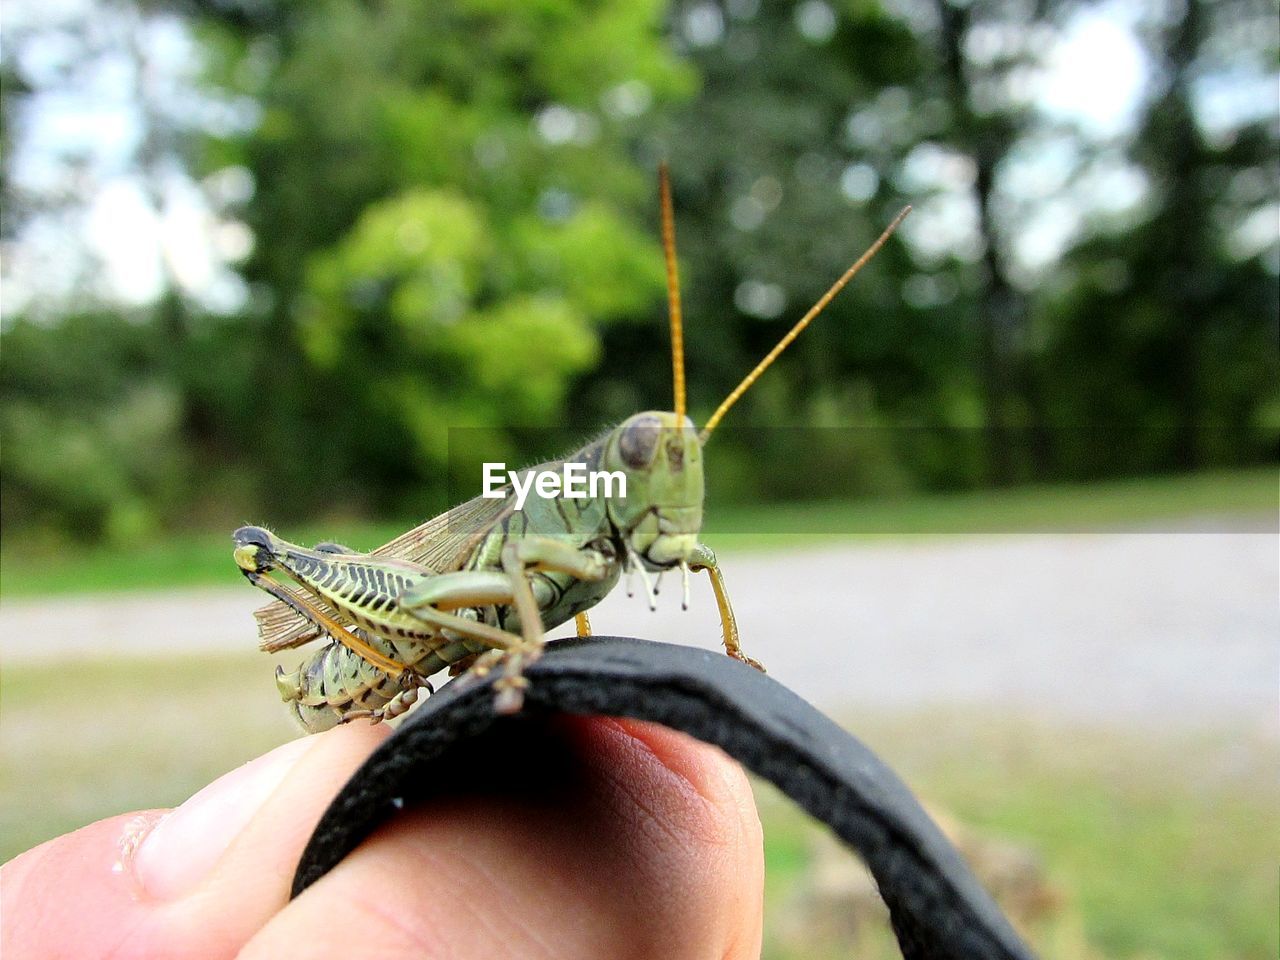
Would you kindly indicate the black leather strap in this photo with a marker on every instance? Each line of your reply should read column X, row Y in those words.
column 937, row 907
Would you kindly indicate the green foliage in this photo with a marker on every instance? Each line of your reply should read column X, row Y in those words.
column 454, row 222
column 1160, row 349
column 414, row 261
column 443, row 239
column 96, row 451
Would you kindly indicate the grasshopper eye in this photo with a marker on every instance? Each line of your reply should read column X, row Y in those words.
column 639, row 442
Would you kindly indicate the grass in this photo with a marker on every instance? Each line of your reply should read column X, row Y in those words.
column 1063, row 507
column 194, row 559
column 200, row 559
column 1162, row 847
column 114, row 735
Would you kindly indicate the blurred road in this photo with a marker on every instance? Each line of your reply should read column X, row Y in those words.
column 1163, row 629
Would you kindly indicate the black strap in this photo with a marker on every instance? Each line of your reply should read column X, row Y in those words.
column 937, row 908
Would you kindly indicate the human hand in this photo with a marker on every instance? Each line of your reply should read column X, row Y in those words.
column 640, row 842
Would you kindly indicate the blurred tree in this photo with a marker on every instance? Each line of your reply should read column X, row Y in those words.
column 809, row 110
column 13, row 90
column 445, row 217
column 779, row 184
column 95, row 395
column 815, row 122
column 1161, row 347
column 988, row 119
column 96, row 449
column 439, row 221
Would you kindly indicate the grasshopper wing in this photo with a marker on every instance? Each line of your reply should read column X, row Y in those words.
column 441, row 544
column 280, row 627
column 445, row 542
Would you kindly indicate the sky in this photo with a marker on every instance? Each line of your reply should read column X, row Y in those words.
column 106, row 69
column 130, row 236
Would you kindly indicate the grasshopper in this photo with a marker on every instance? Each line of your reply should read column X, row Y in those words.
column 476, row 587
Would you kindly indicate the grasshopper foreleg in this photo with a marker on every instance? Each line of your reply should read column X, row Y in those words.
column 432, row 599
column 704, row 558
column 520, row 559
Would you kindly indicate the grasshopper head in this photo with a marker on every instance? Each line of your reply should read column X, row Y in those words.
column 255, row 549
column 660, row 451
column 662, row 512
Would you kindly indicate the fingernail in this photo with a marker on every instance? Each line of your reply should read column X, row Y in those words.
column 183, row 847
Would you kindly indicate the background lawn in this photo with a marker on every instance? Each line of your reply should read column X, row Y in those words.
column 1152, row 845
column 1157, row 847
column 29, row 568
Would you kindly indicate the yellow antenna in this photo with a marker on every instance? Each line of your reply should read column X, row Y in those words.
column 795, row 331
column 673, row 289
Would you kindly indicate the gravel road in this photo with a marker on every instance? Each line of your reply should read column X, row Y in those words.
column 1143, row 628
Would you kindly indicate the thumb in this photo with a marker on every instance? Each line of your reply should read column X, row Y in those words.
column 563, row 837
column 196, row 882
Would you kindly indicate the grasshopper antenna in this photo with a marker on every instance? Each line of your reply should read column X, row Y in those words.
column 673, row 289
column 795, row 331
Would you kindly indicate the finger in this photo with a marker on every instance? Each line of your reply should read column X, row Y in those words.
column 583, row 837
column 196, row 882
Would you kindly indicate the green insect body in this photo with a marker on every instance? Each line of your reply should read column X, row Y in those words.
column 475, row 588
column 336, row 684
column 395, row 622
